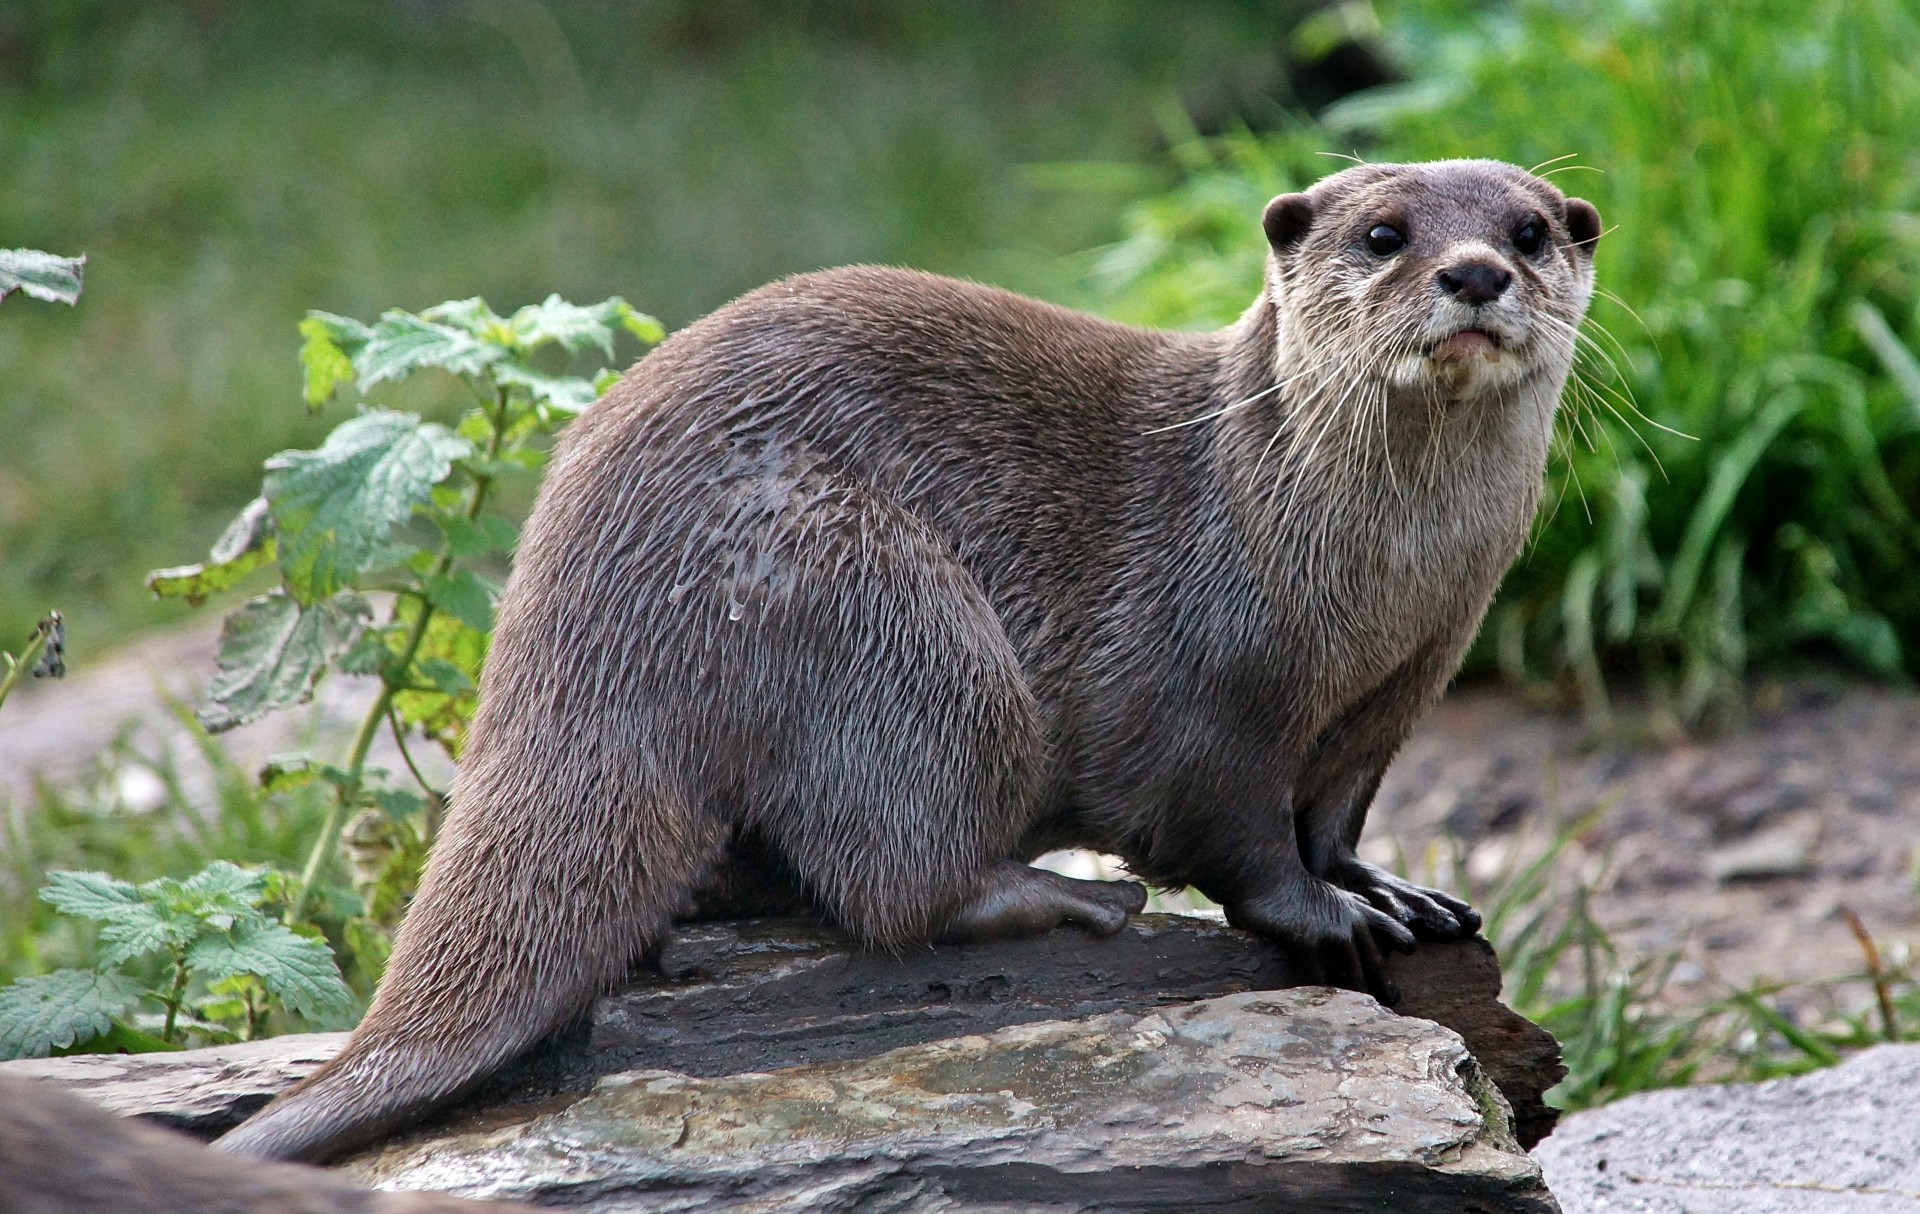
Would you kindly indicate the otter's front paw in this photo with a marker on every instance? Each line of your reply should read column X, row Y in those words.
column 1329, row 932
column 1431, row 914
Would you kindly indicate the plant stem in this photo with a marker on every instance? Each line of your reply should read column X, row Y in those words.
column 175, row 996
column 393, row 681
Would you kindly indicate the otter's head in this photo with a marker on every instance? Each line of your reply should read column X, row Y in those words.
column 1445, row 281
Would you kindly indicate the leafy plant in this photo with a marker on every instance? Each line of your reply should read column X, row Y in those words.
column 57, row 280
column 393, row 504
column 222, row 965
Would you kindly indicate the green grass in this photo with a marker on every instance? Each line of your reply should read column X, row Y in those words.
column 1758, row 169
column 227, row 166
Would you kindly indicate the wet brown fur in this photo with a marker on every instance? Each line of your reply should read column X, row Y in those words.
column 898, row 579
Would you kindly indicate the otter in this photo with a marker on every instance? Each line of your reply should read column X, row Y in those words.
column 879, row 585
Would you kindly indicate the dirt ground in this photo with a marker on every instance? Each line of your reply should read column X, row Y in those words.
column 1739, row 852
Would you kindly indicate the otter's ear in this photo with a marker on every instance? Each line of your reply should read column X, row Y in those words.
column 1583, row 224
column 1286, row 220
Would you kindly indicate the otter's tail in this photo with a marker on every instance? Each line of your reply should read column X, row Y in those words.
column 537, row 896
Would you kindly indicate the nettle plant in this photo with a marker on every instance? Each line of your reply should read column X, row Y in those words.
column 202, row 951
column 389, row 507
column 392, row 505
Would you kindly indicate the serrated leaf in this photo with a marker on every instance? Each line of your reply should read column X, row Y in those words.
column 298, row 970
column 439, row 715
column 53, row 1011
column 343, row 331
column 473, row 315
column 371, row 654
column 566, row 393
column 271, row 652
column 336, row 507
column 41, row 275
column 399, row 803
column 636, row 322
column 247, row 544
column 221, row 885
column 444, row 675
column 403, row 343
column 90, row 895
column 468, row 538
column 464, row 596
column 572, row 326
column 324, row 363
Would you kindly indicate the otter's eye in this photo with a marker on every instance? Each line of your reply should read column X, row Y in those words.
column 1529, row 237
column 1386, row 240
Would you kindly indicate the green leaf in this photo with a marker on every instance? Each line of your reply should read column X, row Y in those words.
column 222, row 887
column 399, row 803
column 440, row 715
column 474, row 316
column 90, row 895
column 464, row 596
column 572, row 326
column 121, row 1038
column 53, row 1011
column 336, row 507
column 298, row 970
column 271, row 652
column 41, row 275
column 450, row 679
column 291, row 771
column 567, row 393
column 468, row 538
column 403, row 343
column 343, row 331
column 247, row 544
column 324, row 363
column 636, row 322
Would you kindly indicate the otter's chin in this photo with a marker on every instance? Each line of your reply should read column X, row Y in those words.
column 1465, row 346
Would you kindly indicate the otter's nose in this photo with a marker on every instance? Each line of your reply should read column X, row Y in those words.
column 1475, row 282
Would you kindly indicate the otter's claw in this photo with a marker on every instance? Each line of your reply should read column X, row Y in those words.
column 1333, row 935
column 1431, row 914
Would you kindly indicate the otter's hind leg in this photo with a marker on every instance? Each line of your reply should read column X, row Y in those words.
column 915, row 766
column 1016, row 899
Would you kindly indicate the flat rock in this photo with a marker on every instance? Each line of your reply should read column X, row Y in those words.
column 200, row 1091
column 1310, row 1100
column 759, row 995
column 1839, row 1141
column 772, row 1066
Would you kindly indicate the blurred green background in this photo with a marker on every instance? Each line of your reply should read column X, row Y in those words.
column 226, row 166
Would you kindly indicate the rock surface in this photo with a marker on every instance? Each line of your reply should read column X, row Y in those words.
column 1010, row 1084
column 1840, row 1141
column 1308, row 1099
column 200, row 1091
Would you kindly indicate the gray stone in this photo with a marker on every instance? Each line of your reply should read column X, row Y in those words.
column 732, row 1042
column 1785, row 850
column 760, row 995
column 1309, row 1100
column 1840, row 1141
column 199, row 1091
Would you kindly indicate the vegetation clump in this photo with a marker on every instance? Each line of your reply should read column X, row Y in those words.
column 1740, row 476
